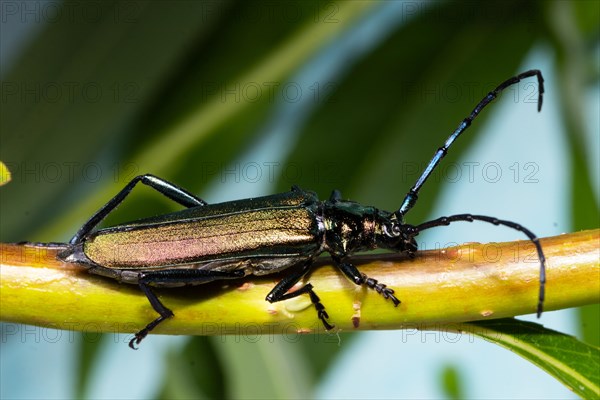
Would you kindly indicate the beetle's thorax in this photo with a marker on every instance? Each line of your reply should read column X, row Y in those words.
column 351, row 227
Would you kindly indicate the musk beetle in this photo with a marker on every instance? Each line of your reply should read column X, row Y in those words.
column 259, row 236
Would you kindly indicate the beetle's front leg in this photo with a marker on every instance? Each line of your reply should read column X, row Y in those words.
column 361, row 279
column 279, row 292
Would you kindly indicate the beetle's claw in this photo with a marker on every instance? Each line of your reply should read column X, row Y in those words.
column 135, row 340
column 394, row 299
column 326, row 324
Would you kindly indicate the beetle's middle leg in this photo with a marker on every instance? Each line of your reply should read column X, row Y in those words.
column 361, row 279
column 279, row 292
column 186, row 276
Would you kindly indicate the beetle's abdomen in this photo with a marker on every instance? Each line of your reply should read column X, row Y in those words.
column 253, row 233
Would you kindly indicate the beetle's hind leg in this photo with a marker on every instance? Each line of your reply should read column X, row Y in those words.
column 361, row 279
column 168, row 189
column 279, row 293
column 158, row 307
column 166, row 277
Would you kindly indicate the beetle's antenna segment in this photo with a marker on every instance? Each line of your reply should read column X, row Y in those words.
column 444, row 221
column 411, row 197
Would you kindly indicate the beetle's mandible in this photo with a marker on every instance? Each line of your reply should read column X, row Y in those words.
column 209, row 242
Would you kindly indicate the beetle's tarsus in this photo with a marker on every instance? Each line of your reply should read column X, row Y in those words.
column 321, row 313
column 362, row 279
column 382, row 289
column 326, row 324
column 277, row 294
column 144, row 332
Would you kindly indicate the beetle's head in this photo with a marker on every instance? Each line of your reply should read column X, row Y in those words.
column 391, row 233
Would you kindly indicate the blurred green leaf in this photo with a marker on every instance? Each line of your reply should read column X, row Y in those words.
column 570, row 48
column 587, row 15
column 264, row 367
column 574, row 363
column 452, row 383
column 589, row 317
column 194, row 372
column 321, row 351
column 247, row 366
column 89, row 351
column 571, row 33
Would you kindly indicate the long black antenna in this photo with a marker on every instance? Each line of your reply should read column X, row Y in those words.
column 412, row 195
column 444, row 221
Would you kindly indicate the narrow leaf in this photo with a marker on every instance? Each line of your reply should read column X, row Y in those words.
column 574, row 363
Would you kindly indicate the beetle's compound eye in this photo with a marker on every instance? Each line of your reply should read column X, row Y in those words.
column 392, row 229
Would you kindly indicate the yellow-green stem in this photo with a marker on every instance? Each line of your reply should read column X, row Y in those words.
column 458, row 284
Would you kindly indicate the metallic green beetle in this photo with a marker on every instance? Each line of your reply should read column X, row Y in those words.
column 260, row 236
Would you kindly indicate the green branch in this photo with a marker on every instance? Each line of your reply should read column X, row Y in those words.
column 457, row 284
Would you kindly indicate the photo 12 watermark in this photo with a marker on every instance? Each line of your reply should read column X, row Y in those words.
column 71, row 172
column 72, row 11
column 251, row 333
column 69, row 92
